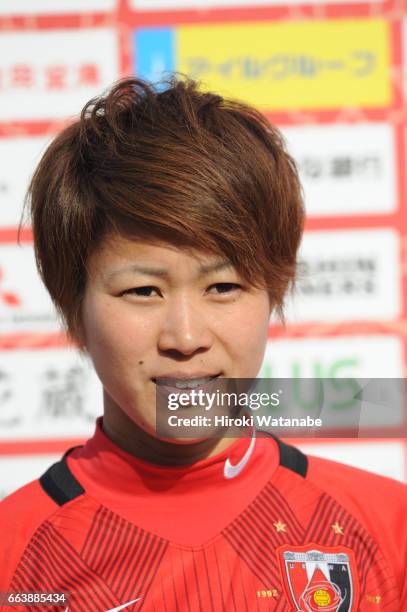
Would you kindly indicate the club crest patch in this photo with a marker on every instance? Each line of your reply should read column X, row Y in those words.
column 319, row 578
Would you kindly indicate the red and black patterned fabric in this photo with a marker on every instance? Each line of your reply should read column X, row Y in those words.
column 288, row 533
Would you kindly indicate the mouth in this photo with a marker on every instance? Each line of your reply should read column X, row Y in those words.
column 187, row 382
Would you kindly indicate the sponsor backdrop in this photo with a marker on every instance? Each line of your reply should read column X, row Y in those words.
column 332, row 74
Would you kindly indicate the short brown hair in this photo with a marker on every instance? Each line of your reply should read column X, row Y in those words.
column 176, row 164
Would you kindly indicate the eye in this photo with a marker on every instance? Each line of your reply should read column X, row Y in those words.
column 142, row 291
column 225, row 288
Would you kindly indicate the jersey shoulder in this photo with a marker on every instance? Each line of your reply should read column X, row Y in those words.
column 377, row 502
column 355, row 486
column 21, row 513
column 54, row 507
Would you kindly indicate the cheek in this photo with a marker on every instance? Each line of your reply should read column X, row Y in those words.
column 116, row 346
column 109, row 325
column 114, row 339
column 248, row 331
column 251, row 342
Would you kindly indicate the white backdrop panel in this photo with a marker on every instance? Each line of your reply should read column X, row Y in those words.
column 25, row 306
column 46, row 394
column 347, row 275
column 52, row 7
column 345, row 169
column 18, row 159
column 373, row 356
column 51, row 74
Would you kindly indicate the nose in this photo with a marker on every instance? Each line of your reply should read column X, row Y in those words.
column 184, row 329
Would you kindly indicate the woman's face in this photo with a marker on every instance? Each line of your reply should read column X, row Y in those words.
column 154, row 311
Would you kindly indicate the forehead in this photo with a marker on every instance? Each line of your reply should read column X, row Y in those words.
column 117, row 252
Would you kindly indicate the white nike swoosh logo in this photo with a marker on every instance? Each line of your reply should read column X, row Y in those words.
column 231, row 471
column 124, row 605
column 118, row 607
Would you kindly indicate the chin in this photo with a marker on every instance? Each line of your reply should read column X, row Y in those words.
column 183, row 441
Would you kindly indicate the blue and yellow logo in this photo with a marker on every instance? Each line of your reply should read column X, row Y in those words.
column 277, row 65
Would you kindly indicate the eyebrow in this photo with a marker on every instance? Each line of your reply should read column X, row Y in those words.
column 164, row 273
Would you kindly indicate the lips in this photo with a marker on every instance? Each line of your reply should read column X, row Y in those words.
column 186, row 384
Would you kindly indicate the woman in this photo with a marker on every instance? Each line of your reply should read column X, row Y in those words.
column 166, row 227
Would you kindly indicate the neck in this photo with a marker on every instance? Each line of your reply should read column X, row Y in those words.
column 134, row 440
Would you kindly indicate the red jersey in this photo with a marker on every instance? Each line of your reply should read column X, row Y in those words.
column 259, row 526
